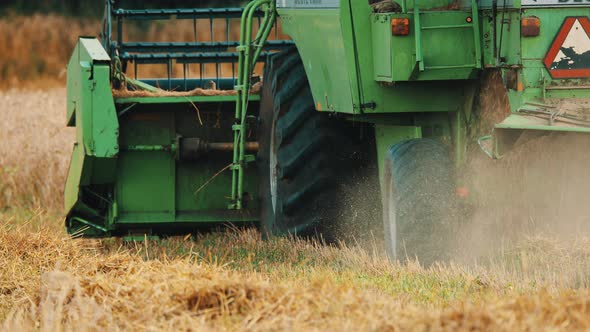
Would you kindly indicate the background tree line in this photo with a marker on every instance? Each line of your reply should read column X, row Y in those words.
column 95, row 8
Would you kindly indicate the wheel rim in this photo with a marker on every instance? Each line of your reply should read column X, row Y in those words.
column 274, row 168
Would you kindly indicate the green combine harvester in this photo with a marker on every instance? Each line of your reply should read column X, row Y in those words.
column 387, row 93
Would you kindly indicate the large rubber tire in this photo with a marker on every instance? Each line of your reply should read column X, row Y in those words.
column 418, row 200
column 303, row 157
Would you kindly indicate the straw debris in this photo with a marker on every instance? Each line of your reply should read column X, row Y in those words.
column 90, row 285
column 124, row 93
column 233, row 280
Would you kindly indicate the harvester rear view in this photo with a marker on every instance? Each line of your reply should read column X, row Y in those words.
column 274, row 131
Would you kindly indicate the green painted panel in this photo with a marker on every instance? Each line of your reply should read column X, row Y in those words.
column 74, row 177
column 382, row 45
column 155, row 186
column 508, row 33
column 318, row 34
column 91, row 109
column 189, row 217
column 90, row 104
column 149, row 218
column 146, row 180
column 446, row 43
column 103, row 170
column 147, row 128
column 516, row 121
column 568, row 92
column 104, row 126
column 199, row 187
column 535, row 73
column 401, row 97
column 429, row 4
column 189, row 181
column 340, row 63
column 146, row 183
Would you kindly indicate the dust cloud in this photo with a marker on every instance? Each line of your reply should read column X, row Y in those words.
column 360, row 219
column 539, row 189
column 529, row 207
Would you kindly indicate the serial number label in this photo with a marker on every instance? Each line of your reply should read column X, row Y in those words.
column 555, row 3
column 308, row 3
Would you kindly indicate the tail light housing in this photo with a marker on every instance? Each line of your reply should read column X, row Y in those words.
column 400, row 26
column 530, row 26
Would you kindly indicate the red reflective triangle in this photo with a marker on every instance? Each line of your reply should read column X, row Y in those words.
column 565, row 30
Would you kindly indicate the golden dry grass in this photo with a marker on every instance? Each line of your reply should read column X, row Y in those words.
column 34, row 149
column 235, row 281
column 34, row 50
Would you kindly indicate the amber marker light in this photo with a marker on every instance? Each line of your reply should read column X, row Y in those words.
column 400, row 26
column 530, row 26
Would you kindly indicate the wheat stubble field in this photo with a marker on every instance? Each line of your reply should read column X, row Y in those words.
column 233, row 280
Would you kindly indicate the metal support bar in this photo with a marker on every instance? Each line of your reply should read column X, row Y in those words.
column 107, row 27
column 451, row 67
column 476, row 37
column 163, row 58
column 249, row 52
column 488, row 152
column 176, row 47
column 184, row 13
column 149, row 148
column 203, row 52
column 418, row 29
column 90, row 224
column 250, row 146
column 191, row 144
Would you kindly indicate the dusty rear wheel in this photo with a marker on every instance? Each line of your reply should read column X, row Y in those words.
column 418, row 200
column 303, row 156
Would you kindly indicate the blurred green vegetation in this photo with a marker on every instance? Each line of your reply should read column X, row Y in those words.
column 94, row 8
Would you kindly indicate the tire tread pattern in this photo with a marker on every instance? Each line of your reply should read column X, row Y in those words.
column 423, row 184
column 312, row 153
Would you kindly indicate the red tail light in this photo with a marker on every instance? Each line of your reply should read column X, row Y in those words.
column 400, row 26
column 530, row 26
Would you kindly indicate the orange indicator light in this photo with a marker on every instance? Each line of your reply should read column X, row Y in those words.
column 530, row 26
column 400, row 26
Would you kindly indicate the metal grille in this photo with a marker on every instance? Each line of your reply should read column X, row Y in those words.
column 209, row 58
